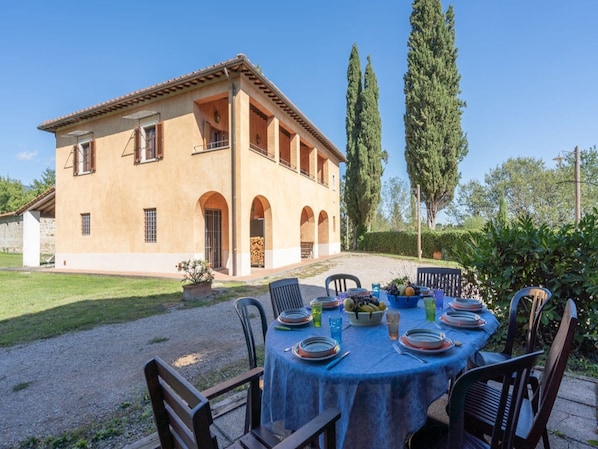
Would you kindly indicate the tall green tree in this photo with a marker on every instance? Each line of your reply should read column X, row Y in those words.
column 529, row 188
column 434, row 140
column 48, row 179
column 364, row 146
column 13, row 194
column 353, row 96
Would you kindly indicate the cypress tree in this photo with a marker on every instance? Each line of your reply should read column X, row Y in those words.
column 353, row 98
column 364, row 151
column 434, row 140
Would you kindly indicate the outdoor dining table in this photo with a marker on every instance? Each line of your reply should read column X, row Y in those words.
column 383, row 396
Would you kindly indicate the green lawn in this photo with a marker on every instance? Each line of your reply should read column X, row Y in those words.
column 36, row 305
column 11, row 260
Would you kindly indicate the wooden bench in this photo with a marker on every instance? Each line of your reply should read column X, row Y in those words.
column 307, row 250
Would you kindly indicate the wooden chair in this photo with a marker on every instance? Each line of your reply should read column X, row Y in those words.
column 536, row 409
column 285, row 294
column 532, row 300
column 503, row 424
column 340, row 283
column 448, row 279
column 183, row 415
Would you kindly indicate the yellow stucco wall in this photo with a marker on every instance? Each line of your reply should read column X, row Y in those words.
column 186, row 181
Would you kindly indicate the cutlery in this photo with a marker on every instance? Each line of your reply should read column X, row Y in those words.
column 396, row 346
column 337, row 361
column 288, row 349
column 283, row 328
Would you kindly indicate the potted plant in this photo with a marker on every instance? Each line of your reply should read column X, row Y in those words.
column 198, row 276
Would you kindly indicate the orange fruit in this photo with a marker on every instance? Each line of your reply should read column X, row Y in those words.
column 409, row 291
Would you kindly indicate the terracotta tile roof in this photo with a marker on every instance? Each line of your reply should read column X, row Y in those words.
column 239, row 64
column 43, row 202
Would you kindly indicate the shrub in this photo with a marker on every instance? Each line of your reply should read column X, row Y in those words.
column 502, row 259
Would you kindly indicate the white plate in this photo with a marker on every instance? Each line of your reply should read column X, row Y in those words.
column 315, row 359
column 458, row 307
column 317, row 346
column 328, row 302
column 448, row 344
column 294, row 316
column 357, row 291
column 300, row 323
column 476, row 325
column 462, row 317
column 424, row 338
column 468, row 301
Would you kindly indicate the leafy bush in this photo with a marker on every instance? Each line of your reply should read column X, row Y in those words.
column 503, row 259
column 404, row 243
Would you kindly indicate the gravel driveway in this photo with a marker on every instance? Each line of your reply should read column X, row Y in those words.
column 79, row 377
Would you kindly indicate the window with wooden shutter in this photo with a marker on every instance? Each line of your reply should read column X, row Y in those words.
column 75, row 160
column 137, row 145
column 92, row 156
column 160, row 140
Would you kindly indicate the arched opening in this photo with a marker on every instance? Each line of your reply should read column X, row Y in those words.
column 260, row 238
column 307, row 228
column 212, row 229
column 323, row 234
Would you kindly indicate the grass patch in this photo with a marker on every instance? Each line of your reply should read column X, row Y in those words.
column 157, row 340
column 39, row 305
column 21, row 386
column 11, row 260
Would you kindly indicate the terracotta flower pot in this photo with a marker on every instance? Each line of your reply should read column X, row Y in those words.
column 197, row 291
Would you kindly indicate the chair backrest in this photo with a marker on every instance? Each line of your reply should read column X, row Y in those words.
column 183, row 416
column 448, row 279
column 512, row 372
column 532, row 300
column 554, row 368
column 340, row 283
column 285, row 294
column 244, row 308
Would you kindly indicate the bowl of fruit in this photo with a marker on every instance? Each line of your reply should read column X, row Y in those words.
column 402, row 294
column 364, row 310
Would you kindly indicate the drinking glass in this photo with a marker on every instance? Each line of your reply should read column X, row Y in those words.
column 336, row 328
column 430, row 306
column 439, row 295
column 316, row 313
column 392, row 321
column 376, row 290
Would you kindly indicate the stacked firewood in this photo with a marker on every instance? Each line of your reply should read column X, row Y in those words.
column 257, row 251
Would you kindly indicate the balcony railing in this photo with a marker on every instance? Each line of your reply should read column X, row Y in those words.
column 215, row 145
column 260, row 150
column 287, row 164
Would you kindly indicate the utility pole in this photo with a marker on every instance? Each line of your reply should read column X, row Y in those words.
column 419, row 226
column 577, row 186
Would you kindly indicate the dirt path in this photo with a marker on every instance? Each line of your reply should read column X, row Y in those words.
column 80, row 377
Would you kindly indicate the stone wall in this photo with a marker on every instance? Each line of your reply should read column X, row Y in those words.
column 11, row 234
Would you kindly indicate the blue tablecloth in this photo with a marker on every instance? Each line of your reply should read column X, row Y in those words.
column 382, row 396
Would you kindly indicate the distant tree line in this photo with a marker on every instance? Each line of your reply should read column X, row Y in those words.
column 13, row 194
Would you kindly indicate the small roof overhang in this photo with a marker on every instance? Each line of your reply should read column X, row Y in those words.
column 44, row 202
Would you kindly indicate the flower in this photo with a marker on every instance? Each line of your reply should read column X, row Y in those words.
column 196, row 271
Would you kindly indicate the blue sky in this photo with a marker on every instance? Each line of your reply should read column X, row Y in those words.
column 529, row 67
